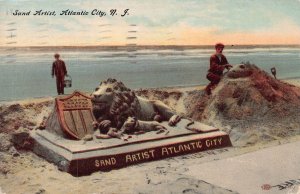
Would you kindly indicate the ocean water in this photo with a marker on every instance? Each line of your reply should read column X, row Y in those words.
column 26, row 72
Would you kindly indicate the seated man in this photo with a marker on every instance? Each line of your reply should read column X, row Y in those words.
column 218, row 63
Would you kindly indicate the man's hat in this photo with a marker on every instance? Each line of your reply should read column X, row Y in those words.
column 217, row 45
column 56, row 55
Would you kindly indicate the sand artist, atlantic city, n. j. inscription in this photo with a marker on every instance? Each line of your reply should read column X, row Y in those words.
column 69, row 12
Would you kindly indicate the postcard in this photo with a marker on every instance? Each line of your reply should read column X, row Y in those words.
column 127, row 96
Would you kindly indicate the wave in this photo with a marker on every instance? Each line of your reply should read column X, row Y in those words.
column 19, row 57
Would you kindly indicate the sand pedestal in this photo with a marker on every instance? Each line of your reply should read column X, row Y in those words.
column 64, row 146
column 80, row 158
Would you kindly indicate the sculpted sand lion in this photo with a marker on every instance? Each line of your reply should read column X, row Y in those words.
column 113, row 103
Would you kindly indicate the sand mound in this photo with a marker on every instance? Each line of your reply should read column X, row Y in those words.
column 16, row 119
column 249, row 104
column 23, row 114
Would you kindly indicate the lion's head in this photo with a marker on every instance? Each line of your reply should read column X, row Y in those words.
column 114, row 100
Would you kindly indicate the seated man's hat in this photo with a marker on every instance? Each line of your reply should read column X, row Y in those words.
column 217, row 45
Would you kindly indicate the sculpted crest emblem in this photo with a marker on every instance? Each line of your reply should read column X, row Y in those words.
column 75, row 115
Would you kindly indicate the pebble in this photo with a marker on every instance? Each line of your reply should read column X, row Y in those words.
column 88, row 137
column 13, row 152
column 40, row 191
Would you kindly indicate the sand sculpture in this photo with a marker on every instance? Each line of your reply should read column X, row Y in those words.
column 113, row 103
column 114, row 128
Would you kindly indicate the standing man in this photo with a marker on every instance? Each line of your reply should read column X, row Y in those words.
column 59, row 70
column 218, row 63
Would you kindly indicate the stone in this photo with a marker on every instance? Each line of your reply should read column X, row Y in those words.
column 13, row 152
column 5, row 142
column 40, row 191
column 88, row 137
column 22, row 140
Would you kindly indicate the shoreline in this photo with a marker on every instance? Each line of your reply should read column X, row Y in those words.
column 181, row 88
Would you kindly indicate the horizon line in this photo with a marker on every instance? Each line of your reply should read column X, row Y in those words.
column 146, row 45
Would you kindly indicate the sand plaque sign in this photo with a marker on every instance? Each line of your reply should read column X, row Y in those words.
column 149, row 151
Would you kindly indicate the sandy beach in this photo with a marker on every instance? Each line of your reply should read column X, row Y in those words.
column 23, row 172
column 149, row 97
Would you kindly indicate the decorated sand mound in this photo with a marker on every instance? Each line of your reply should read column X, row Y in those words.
column 249, row 104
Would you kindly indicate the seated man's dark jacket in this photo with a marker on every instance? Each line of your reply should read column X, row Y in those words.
column 216, row 66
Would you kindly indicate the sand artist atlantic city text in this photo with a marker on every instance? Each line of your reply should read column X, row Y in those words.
column 158, row 153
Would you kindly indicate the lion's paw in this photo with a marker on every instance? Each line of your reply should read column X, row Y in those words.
column 174, row 120
column 159, row 127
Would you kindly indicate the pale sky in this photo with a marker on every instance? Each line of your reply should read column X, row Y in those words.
column 156, row 22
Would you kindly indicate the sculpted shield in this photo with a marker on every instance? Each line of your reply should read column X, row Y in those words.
column 75, row 115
